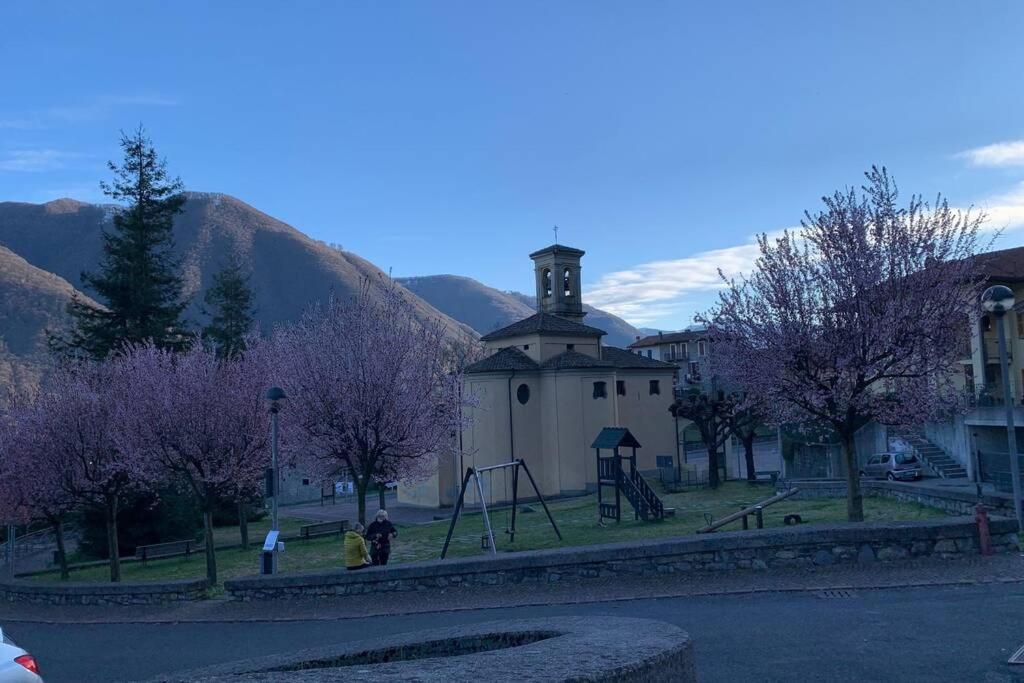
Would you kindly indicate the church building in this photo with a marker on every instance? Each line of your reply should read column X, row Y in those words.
column 545, row 391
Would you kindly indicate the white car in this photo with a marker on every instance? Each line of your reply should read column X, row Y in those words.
column 16, row 665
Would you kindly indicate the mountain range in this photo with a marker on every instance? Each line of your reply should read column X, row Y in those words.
column 44, row 249
column 486, row 309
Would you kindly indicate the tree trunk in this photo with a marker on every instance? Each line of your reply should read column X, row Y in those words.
column 62, row 556
column 113, row 549
column 713, row 480
column 748, row 454
column 381, row 491
column 211, row 553
column 854, row 498
column 362, row 483
column 243, row 523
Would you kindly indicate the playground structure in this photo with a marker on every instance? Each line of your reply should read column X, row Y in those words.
column 510, row 525
column 757, row 510
column 645, row 502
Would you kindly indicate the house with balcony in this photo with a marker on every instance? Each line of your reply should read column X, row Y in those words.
column 689, row 349
column 973, row 443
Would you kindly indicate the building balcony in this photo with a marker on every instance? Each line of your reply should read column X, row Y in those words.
column 987, row 405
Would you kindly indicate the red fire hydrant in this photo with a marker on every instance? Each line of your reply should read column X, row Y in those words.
column 981, row 517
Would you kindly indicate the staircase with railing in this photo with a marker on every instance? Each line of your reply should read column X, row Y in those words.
column 933, row 456
column 646, row 503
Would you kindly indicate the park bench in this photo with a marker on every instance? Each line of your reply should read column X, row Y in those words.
column 771, row 476
column 323, row 529
column 169, row 549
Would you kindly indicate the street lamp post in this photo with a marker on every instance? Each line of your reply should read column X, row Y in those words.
column 997, row 300
column 274, row 395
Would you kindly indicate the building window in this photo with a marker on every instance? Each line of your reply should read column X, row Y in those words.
column 650, row 353
column 701, row 349
column 526, row 347
column 672, row 352
column 685, row 350
column 599, row 390
column 620, row 387
column 567, row 282
column 655, row 387
column 693, row 373
column 523, row 394
column 545, row 277
column 305, row 482
column 1020, row 324
column 570, row 347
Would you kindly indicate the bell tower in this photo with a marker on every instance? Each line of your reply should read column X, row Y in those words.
column 557, row 270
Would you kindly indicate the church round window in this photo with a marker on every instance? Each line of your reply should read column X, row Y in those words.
column 523, row 394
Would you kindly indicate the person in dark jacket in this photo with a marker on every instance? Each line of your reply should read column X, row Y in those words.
column 380, row 532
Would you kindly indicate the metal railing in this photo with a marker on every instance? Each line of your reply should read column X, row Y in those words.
column 991, row 394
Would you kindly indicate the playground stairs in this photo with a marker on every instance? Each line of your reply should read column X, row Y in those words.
column 933, row 456
column 641, row 496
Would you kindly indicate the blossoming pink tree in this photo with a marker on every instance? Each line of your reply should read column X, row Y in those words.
column 201, row 421
column 30, row 484
column 858, row 316
column 76, row 428
column 371, row 393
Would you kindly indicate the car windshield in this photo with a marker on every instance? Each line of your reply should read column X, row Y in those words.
column 905, row 458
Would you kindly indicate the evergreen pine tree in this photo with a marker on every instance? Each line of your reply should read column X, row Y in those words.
column 138, row 281
column 230, row 308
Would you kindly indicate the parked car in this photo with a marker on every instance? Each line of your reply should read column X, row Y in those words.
column 892, row 466
column 16, row 665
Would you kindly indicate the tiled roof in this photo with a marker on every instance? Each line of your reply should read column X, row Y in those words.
column 669, row 337
column 1005, row 265
column 559, row 248
column 544, row 323
column 509, row 358
column 620, row 358
column 573, row 360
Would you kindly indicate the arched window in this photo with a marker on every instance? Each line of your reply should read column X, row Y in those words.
column 545, row 277
column 523, row 394
column 567, row 282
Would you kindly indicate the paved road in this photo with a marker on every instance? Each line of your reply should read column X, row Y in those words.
column 908, row 634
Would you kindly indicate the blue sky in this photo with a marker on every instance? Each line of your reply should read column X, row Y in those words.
column 448, row 137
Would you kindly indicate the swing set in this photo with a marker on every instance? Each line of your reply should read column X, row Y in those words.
column 487, row 539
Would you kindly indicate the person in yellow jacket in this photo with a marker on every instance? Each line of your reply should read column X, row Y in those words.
column 356, row 555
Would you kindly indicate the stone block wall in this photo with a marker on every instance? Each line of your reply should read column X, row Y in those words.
column 952, row 502
column 807, row 546
column 102, row 593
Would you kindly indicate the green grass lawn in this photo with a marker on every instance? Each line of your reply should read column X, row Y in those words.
column 576, row 518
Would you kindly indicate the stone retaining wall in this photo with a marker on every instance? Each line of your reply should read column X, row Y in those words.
column 103, row 593
column 952, row 501
column 758, row 550
column 598, row 649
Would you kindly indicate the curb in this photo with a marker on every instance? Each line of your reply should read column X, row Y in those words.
column 529, row 603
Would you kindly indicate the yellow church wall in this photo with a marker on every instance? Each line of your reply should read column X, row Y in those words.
column 647, row 415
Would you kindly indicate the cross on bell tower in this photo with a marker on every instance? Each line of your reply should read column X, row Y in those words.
column 557, row 270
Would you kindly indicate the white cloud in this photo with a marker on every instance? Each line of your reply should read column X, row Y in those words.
column 35, row 160
column 675, row 289
column 662, row 290
column 1004, row 211
column 98, row 107
column 1009, row 153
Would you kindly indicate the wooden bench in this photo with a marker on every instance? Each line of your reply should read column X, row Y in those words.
column 169, row 549
column 771, row 476
column 323, row 529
